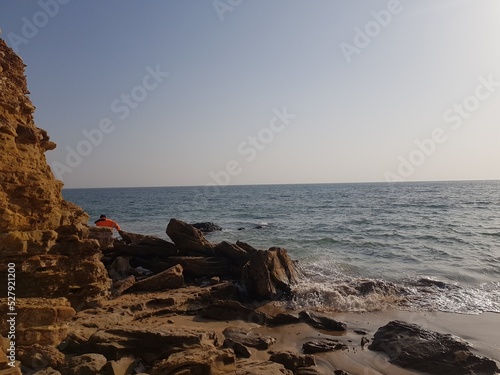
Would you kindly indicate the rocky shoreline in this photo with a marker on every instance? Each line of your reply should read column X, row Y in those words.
column 82, row 302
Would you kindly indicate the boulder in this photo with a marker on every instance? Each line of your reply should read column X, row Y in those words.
column 123, row 366
column 322, row 322
column 224, row 291
column 120, row 268
column 206, row 361
column 247, row 338
column 121, row 286
column 320, row 346
column 85, row 364
column 188, row 239
column 169, row 279
column 248, row 248
column 207, row 227
column 239, row 349
column 411, row 346
column 233, row 252
column 149, row 344
column 292, row 361
column 37, row 357
column 269, row 275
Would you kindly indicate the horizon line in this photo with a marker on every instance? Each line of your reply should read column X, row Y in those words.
column 284, row 184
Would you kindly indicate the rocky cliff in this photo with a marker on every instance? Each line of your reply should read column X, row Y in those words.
column 42, row 234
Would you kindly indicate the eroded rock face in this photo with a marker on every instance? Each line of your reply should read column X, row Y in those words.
column 269, row 275
column 42, row 234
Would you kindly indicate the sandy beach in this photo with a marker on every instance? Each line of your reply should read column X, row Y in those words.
column 479, row 330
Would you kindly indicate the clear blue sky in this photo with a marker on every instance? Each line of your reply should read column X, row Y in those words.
column 365, row 91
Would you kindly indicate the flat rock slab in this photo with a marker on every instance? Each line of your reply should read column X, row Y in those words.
column 251, row 339
column 168, row 279
column 208, row 361
column 148, row 343
column 321, row 346
column 261, row 368
column 411, row 346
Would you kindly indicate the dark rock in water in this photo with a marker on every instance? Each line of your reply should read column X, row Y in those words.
column 232, row 310
column 188, row 239
column 233, row 252
column 269, row 275
column 411, row 346
column 207, row 227
column 322, row 322
column 241, row 228
column 292, row 361
column 429, row 282
column 168, row 279
column 320, row 346
column 251, row 339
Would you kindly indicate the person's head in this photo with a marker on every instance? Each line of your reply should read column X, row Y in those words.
column 102, row 217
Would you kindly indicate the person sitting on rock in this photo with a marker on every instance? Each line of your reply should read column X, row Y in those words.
column 105, row 222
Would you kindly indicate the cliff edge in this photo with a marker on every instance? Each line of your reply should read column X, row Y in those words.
column 45, row 236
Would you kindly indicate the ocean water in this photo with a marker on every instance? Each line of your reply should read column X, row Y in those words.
column 362, row 247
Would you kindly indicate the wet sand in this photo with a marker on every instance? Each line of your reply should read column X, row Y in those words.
column 481, row 331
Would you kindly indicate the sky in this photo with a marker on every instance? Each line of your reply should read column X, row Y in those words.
column 204, row 92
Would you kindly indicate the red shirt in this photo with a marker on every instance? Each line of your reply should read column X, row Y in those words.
column 107, row 223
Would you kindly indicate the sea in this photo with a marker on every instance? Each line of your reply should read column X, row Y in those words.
column 419, row 246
